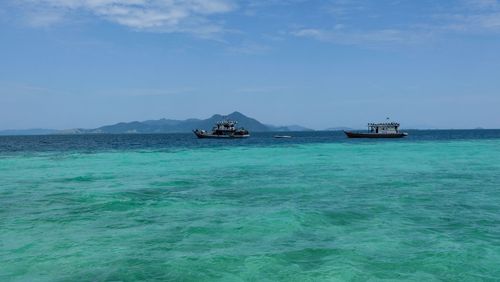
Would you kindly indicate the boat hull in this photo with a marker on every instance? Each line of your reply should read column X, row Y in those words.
column 214, row 136
column 375, row 135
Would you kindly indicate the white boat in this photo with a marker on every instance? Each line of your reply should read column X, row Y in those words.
column 223, row 129
column 379, row 130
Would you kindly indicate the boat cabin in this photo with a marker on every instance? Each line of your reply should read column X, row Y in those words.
column 383, row 128
column 225, row 126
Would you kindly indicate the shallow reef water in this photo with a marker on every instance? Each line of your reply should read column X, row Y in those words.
column 316, row 207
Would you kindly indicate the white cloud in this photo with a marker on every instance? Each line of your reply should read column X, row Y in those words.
column 191, row 16
column 351, row 21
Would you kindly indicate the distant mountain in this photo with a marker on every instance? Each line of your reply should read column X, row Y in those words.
column 164, row 126
column 34, row 131
column 182, row 126
column 178, row 126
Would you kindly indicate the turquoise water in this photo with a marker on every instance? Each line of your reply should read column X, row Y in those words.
column 404, row 210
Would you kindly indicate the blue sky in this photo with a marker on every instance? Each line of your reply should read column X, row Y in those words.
column 86, row 63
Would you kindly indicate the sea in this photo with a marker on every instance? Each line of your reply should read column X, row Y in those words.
column 315, row 207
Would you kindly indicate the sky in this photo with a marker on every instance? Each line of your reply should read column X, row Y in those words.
column 320, row 64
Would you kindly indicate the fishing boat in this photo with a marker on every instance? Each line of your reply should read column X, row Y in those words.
column 223, row 129
column 379, row 130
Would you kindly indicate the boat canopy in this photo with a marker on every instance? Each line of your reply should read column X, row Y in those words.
column 384, row 127
column 227, row 122
column 225, row 125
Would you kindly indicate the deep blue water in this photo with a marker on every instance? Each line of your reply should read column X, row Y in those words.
column 103, row 142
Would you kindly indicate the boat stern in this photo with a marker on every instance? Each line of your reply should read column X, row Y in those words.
column 199, row 133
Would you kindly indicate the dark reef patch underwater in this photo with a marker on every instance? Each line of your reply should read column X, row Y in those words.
column 316, row 207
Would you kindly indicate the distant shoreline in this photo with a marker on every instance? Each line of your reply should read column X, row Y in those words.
column 2, row 134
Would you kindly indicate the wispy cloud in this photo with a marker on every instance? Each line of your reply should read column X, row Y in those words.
column 352, row 22
column 473, row 16
column 45, row 19
column 189, row 16
column 364, row 37
column 469, row 23
column 468, row 16
column 345, row 8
